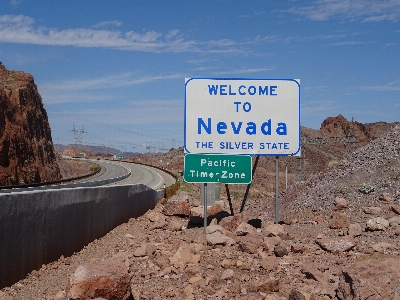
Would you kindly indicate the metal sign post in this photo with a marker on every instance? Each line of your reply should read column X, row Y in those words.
column 276, row 189
column 205, row 207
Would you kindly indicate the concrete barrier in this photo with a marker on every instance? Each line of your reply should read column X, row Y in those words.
column 38, row 227
column 70, row 185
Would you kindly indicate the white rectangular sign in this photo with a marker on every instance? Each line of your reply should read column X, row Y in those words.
column 242, row 116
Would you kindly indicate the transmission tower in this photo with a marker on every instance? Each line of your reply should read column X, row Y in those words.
column 148, row 148
column 78, row 135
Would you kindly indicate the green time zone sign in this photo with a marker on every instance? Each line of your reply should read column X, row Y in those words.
column 217, row 168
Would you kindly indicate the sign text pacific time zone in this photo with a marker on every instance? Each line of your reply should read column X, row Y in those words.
column 219, row 168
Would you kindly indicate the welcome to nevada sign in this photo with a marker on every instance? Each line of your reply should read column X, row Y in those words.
column 242, row 116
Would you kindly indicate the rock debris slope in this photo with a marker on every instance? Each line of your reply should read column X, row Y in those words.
column 339, row 239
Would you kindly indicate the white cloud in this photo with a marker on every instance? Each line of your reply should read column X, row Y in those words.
column 390, row 86
column 172, row 34
column 347, row 43
column 114, row 23
column 221, row 43
column 245, row 71
column 20, row 29
column 317, row 107
column 149, row 111
column 16, row 21
column 351, row 10
column 51, row 97
column 318, row 88
column 108, row 82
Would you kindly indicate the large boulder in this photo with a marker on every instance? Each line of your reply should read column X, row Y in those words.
column 213, row 212
column 184, row 256
column 378, row 223
column 339, row 220
column 177, row 208
column 108, row 279
column 337, row 244
column 218, row 238
column 231, row 223
column 341, row 203
column 370, row 279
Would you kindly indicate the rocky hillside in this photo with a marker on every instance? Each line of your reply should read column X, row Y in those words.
column 338, row 238
column 322, row 149
column 27, row 154
column 74, row 152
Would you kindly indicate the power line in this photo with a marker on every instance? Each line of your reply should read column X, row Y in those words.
column 112, row 127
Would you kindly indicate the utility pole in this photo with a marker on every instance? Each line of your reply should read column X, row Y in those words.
column 353, row 139
column 302, row 166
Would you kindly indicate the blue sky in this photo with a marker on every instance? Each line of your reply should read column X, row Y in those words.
column 117, row 68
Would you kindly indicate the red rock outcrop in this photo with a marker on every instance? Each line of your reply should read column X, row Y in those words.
column 364, row 133
column 27, row 154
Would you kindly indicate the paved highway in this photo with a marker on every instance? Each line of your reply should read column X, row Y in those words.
column 109, row 169
column 152, row 177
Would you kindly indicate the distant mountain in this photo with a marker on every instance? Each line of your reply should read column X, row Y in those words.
column 97, row 150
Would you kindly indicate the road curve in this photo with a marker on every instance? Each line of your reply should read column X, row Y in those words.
column 152, row 177
column 111, row 171
column 149, row 176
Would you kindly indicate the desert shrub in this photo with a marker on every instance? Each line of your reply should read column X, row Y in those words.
column 333, row 163
column 94, row 168
column 21, row 181
column 385, row 183
column 339, row 189
column 171, row 190
column 395, row 175
column 366, row 188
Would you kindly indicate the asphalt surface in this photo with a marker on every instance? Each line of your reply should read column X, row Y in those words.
column 151, row 177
